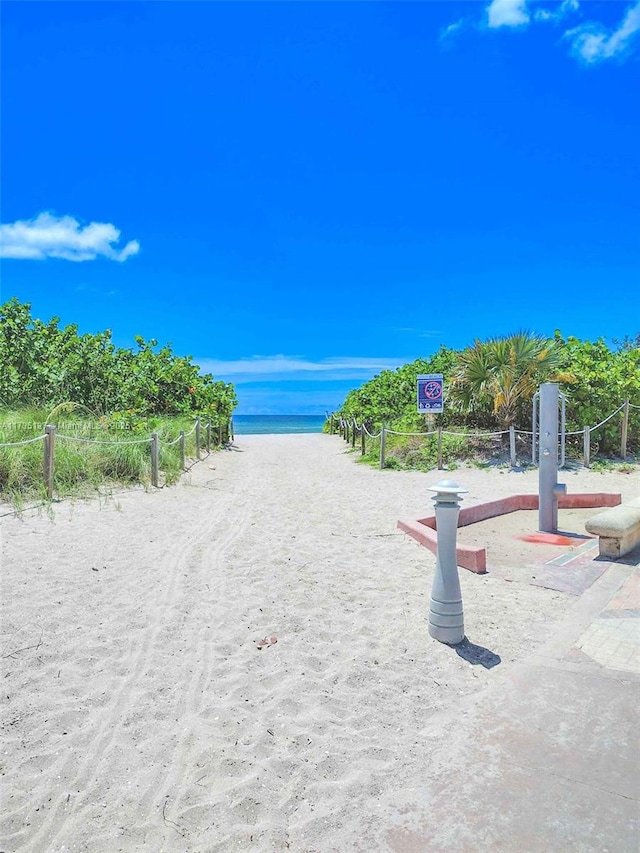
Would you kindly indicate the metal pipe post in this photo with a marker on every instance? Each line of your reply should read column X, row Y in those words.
column 446, row 616
column 548, row 486
column 534, row 428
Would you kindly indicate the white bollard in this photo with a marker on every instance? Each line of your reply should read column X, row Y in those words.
column 446, row 616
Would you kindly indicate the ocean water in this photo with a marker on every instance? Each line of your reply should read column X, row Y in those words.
column 280, row 424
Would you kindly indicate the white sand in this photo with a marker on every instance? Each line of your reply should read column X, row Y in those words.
column 139, row 713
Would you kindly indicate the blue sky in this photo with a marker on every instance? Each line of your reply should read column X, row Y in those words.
column 301, row 194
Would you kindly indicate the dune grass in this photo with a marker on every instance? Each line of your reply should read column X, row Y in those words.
column 91, row 454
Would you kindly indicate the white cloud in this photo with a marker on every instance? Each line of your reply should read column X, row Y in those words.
column 284, row 367
column 592, row 43
column 451, row 30
column 507, row 13
column 567, row 7
column 49, row 236
column 517, row 13
column 421, row 333
column 310, row 401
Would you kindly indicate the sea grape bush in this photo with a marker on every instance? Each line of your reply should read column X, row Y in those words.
column 490, row 385
column 44, row 365
column 390, row 396
column 604, row 378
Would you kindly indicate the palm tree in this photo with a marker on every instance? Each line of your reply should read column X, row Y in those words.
column 503, row 374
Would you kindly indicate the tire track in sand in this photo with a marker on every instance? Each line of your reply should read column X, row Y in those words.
column 200, row 645
column 85, row 777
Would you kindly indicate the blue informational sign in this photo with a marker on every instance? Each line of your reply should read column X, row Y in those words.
column 430, row 399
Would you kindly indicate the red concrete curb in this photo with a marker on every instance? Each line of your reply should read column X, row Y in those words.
column 423, row 530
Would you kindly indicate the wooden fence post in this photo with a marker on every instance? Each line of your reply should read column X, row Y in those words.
column 512, row 445
column 363, row 447
column 353, row 434
column 154, row 459
column 587, row 446
column 439, row 448
column 382, row 447
column 197, row 438
column 182, row 453
column 625, row 430
column 49, row 456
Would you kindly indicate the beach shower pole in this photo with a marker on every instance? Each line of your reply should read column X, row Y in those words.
column 548, row 486
column 446, row 616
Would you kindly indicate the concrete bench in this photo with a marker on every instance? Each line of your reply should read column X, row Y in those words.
column 617, row 529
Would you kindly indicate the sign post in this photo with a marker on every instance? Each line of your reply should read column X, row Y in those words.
column 430, row 397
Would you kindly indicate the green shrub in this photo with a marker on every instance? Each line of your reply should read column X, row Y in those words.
column 490, row 386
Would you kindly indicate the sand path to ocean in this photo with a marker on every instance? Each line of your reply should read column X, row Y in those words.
column 141, row 713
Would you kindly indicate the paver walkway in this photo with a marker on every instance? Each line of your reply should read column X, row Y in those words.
column 613, row 638
column 547, row 760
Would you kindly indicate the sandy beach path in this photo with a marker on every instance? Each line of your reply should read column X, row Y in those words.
column 141, row 713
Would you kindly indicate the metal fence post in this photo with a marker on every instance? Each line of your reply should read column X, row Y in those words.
column 197, row 438
column 512, row 445
column 49, row 456
column 154, row 459
column 534, row 427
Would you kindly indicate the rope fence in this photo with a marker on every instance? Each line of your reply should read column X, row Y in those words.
column 349, row 428
column 50, row 436
column 22, row 443
column 602, row 423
